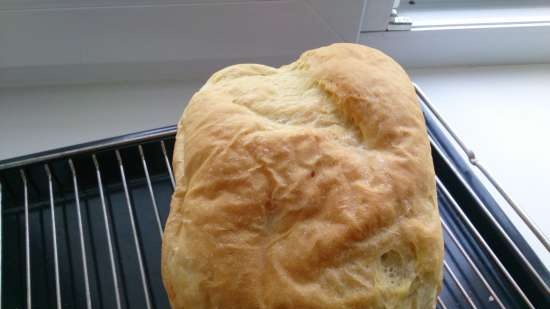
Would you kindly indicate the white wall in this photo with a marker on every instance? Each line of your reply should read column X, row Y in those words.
column 80, row 41
column 34, row 119
column 503, row 114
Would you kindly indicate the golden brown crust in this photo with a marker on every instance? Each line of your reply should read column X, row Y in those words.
column 307, row 186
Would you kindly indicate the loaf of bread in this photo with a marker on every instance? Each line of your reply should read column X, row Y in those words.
column 305, row 186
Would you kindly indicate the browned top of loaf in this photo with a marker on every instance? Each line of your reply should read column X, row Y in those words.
column 306, row 186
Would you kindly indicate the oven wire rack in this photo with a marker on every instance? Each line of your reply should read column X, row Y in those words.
column 81, row 227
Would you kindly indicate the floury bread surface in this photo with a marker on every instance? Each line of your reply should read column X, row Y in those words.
column 306, row 186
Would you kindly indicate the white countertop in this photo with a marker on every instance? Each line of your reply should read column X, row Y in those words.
column 503, row 114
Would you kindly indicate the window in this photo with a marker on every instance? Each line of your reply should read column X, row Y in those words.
column 420, row 33
column 430, row 14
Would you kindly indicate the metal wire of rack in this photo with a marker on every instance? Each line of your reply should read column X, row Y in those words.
column 475, row 162
column 83, row 223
